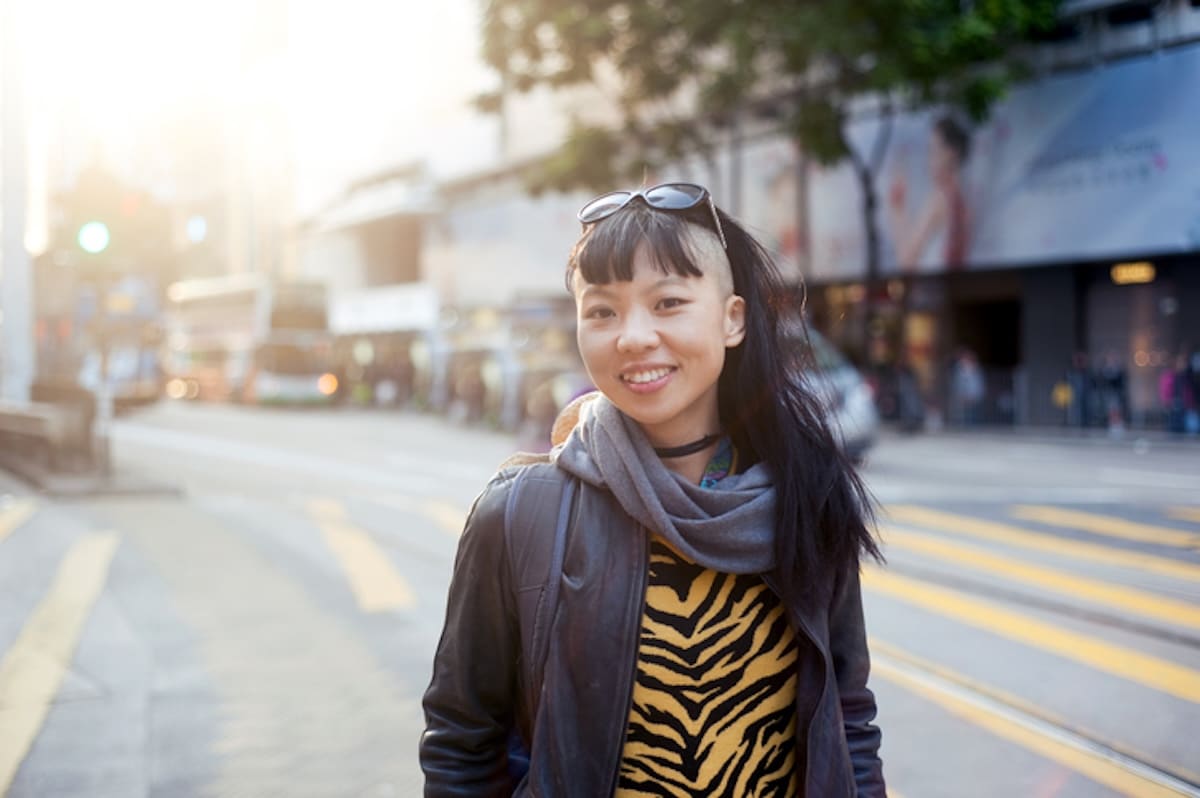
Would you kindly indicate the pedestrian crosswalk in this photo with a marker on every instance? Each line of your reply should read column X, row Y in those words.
column 1191, row 514
column 1071, row 635
column 1024, row 538
column 1099, row 655
column 1108, row 600
column 1107, row 525
column 375, row 581
column 1117, row 597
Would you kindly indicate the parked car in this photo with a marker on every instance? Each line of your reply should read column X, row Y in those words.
column 846, row 395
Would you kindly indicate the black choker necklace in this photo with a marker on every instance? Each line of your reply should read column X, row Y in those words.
column 688, row 448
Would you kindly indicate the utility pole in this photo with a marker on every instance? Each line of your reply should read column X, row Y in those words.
column 16, row 275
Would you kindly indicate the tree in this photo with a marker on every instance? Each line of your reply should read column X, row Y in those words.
column 805, row 62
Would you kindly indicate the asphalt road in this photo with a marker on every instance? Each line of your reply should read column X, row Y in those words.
column 268, row 630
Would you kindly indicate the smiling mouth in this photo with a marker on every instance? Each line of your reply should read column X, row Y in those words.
column 646, row 377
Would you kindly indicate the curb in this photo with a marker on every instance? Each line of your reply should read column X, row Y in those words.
column 1129, row 439
column 87, row 484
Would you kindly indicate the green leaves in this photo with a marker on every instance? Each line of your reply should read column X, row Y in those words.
column 809, row 58
column 818, row 125
column 589, row 158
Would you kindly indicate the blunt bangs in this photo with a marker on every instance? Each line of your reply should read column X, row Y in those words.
column 605, row 251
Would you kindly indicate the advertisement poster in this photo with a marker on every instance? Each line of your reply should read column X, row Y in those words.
column 1100, row 164
column 771, row 206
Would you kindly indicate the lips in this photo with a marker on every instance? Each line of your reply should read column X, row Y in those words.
column 647, row 379
column 645, row 376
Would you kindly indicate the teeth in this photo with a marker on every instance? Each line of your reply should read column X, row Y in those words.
column 647, row 376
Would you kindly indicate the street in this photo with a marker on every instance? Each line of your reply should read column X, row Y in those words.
column 267, row 629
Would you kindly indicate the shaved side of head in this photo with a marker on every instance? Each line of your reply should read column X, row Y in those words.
column 708, row 254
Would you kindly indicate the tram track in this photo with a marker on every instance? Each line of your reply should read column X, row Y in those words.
column 1105, row 761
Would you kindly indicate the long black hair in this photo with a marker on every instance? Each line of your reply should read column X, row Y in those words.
column 772, row 413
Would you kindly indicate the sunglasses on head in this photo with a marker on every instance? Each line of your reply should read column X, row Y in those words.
column 663, row 197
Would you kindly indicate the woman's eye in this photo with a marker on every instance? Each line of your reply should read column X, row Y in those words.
column 670, row 302
column 598, row 313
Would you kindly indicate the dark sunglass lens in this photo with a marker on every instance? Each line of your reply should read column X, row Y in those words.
column 674, row 196
column 603, row 206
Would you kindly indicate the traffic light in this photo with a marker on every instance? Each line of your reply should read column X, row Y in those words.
column 106, row 225
column 93, row 237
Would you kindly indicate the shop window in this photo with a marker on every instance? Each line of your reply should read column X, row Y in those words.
column 1129, row 14
column 1066, row 31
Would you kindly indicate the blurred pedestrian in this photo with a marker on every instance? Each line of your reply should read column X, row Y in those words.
column 1111, row 381
column 910, row 404
column 967, row 388
column 1172, row 389
column 705, row 629
column 1180, row 396
column 1191, row 419
column 1079, row 381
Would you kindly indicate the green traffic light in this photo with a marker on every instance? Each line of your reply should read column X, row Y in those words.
column 94, row 237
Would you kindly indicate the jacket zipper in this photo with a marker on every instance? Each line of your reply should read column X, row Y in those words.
column 631, row 674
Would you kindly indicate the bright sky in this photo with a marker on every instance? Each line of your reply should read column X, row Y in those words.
column 361, row 85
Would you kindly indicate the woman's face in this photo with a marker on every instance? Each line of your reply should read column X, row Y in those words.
column 655, row 345
column 943, row 160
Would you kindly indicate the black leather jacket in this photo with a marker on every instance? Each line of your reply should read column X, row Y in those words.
column 576, row 725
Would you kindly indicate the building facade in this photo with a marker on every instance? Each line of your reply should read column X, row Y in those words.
column 1063, row 231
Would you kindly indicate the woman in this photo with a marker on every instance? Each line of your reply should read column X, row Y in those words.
column 706, row 637
column 944, row 214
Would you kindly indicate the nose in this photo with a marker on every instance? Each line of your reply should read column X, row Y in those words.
column 638, row 333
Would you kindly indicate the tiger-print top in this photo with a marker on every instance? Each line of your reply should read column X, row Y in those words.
column 714, row 709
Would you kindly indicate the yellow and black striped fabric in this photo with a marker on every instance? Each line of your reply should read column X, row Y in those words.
column 714, row 709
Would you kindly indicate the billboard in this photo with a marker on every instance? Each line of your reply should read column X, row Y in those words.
column 771, row 207
column 1092, row 165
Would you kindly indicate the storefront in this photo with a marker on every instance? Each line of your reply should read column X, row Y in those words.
column 1064, row 228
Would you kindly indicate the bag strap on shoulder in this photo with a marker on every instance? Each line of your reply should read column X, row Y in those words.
column 540, row 502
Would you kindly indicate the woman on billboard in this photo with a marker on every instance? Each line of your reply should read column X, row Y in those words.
column 937, row 237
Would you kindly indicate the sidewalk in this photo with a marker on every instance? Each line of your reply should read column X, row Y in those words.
column 121, row 482
column 1133, row 439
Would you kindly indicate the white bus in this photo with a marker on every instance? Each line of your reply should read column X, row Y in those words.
column 244, row 337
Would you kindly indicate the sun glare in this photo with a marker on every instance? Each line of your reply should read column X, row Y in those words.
column 119, row 62
column 358, row 85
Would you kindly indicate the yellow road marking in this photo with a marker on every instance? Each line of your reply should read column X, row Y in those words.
column 15, row 513
column 1035, row 711
column 33, row 669
column 1063, row 749
column 326, row 508
column 1017, row 536
column 1153, row 672
column 376, row 584
column 1185, row 514
column 447, row 515
column 1106, row 525
column 1146, row 604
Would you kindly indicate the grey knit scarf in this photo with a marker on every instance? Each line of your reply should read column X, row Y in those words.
column 729, row 527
